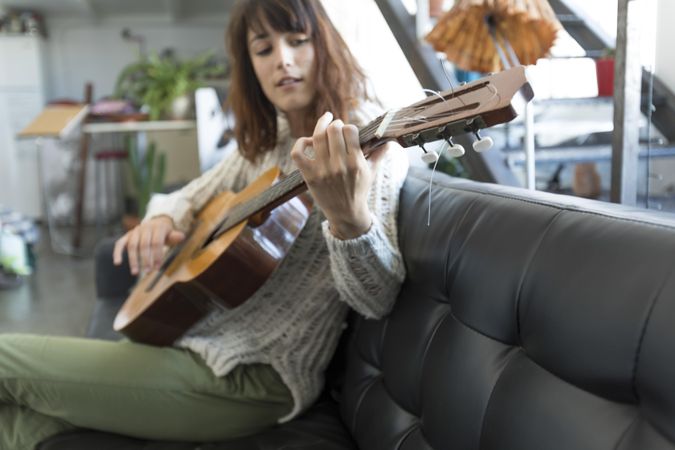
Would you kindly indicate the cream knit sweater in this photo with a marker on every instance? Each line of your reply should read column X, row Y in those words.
column 293, row 322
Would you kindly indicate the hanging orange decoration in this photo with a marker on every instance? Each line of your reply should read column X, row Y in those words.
column 529, row 27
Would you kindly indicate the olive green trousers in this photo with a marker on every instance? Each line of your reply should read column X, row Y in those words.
column 53, row 384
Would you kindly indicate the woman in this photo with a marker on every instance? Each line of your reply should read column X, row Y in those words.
column 293, row 87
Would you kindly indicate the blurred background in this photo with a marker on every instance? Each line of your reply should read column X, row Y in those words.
column 136, row 93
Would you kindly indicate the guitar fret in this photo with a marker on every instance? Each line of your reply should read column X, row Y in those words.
column 273, row 193
column 269, row 196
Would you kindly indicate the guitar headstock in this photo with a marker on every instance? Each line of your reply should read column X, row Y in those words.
column 483, row 103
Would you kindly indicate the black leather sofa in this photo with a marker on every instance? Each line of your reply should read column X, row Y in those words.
column 528, row 321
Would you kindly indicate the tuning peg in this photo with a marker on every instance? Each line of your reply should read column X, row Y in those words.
column 429, row 156
column 455, row 150
column 483, row 143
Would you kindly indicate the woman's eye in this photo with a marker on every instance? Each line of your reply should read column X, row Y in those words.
column 263, row 51
column 299, row 41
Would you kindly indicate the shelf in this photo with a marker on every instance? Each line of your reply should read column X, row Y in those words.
column 574, row 101
column 131, row 127
column 593, row 153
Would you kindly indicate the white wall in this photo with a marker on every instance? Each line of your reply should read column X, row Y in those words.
column 22, row 96
column 83, row 50
column 376, row 49
column 665, row 61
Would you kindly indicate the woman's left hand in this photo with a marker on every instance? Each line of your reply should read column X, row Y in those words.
column 338, row 175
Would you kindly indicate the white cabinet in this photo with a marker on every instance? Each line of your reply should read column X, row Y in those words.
column 22, row 98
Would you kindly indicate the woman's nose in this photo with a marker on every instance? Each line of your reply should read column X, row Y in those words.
column 284, row 55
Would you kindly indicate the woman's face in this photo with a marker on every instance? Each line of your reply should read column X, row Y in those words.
column 284, row 65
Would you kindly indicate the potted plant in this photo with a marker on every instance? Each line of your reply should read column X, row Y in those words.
column 165, row 84
column 148, row 170
column 604, row 70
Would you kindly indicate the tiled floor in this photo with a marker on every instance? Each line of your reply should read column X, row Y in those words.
column 56, row 299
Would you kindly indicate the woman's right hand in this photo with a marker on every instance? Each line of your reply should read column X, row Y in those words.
column 145, row 243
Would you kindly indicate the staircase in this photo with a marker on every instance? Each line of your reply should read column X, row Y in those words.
column 593, row 41
column 491, row 166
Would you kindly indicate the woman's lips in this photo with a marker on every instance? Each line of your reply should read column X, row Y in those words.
column 288, row 81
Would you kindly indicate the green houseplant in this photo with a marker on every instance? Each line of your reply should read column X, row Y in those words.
column 148, row 170
column 158, row 80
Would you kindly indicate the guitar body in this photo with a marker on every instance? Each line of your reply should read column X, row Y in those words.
column 207, row 272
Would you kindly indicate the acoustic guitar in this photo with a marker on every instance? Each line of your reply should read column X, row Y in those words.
column 238, row 239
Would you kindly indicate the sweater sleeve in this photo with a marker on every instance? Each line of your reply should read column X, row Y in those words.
column 183, row 205
column 368, row 270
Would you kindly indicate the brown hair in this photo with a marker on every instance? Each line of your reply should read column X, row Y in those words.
column 340, row 81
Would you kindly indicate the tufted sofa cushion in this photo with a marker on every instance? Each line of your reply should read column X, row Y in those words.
column 527, row 321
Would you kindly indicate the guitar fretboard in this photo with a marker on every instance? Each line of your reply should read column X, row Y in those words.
column 288, row 187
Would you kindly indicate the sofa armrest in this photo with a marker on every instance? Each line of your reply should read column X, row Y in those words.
column 112, row 288
column 102, row 317
column 111, row 281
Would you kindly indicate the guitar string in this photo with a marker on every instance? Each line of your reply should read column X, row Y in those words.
column 433, row 171
column 492, row 89
column 424, row 119
column 422, row 106
column 417, row 118
column 364, row 135
column 447, row 77
column 242, row 211
column 431, row 180
column 489, row 86
column 294, row 180
column 438, row 94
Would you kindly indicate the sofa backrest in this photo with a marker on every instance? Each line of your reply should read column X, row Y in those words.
column 528, row 321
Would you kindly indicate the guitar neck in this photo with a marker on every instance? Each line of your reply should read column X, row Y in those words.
column 479, row 104
column 293, row 184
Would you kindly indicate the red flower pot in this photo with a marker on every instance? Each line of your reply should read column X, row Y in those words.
column 604, row 69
